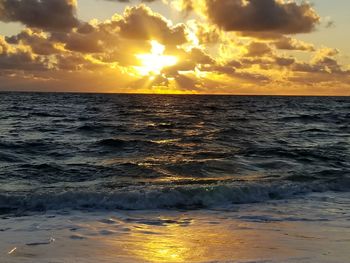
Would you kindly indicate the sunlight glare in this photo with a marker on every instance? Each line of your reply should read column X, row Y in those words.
column 154, row 62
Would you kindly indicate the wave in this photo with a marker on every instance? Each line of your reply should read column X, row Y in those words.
column 98, row 127
column 9, row 157
column 167, row 197
column 45, row 115
column 137, row 143
column 316, row 118
column 23, row 144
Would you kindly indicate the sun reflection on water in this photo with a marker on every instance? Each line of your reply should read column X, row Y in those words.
column 182, row 237
column 174, row 244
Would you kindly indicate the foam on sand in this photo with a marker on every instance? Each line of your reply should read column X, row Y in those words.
column 276, row 231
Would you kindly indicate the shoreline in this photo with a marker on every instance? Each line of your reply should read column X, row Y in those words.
column 278, row 231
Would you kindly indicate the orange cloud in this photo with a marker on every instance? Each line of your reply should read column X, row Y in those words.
column 249, row 52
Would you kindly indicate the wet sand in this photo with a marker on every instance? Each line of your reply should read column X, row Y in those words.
column 280, row 231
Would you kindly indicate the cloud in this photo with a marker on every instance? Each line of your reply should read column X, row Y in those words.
column 237, row 46
column 97, row 46
column 51, row 15
column 256, row 16
column 142, row 23
column 288, row 43
column 13, row 60
column 36, row 39
column 324, row 61
column 262, row 16
column 285, row 61
column 258, row 49
column 253, row 17
column 4, row 46
column 127, row 33
column 88, row 38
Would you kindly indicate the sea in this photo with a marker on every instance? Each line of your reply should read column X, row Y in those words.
column 65, row 153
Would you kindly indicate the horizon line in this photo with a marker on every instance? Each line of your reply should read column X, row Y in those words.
column 175, row 94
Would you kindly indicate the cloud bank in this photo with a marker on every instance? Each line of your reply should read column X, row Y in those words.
column 233, row 46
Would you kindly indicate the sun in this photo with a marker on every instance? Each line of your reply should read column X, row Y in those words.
column 153, row 63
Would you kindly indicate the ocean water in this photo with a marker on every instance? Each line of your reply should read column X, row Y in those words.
column 91, row 152
column 147, row 178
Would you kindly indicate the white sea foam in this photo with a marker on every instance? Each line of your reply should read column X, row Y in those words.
column 155, row 197
column 273, row 231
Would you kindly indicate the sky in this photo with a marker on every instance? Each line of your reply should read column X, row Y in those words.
column 253, row 47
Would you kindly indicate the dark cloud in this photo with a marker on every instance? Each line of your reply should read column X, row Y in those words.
column 324, row 62
column 88, row 38
column 264, row 62
column 37, row 40
column 124, row 35
column 22, row 60
column 141, row 23
column 288, row 43
column 258, row 49
column 284, row 62
column 19, row 59
column 127, row 33
column 75, row 62
column 220, row 69
column 262, row 16
column 51, row 15
column 206, row 34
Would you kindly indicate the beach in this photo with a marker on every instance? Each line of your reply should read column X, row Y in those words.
column 147, row 178
column 174, row 131
column 300, row 230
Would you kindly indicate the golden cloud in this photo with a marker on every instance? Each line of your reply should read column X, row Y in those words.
column 235, row 46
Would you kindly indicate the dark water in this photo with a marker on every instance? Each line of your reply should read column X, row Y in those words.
column 76, row 151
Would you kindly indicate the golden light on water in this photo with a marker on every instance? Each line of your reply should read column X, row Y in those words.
column 174, row 245
column 153, row 63
column 185, row 240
